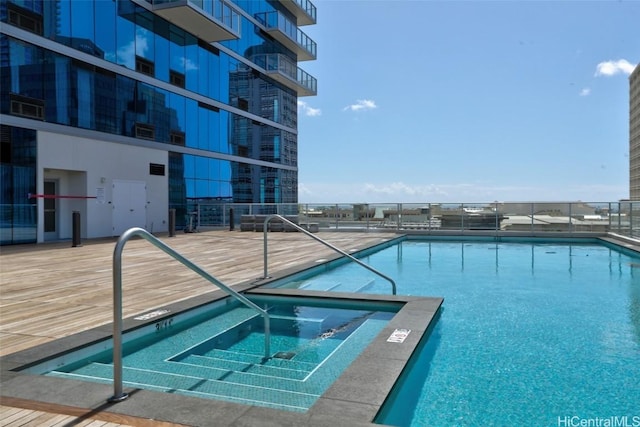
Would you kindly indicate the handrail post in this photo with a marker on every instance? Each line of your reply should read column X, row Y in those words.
column 327, row 244
column 118, row 394
column 532, row 214
column 265, row 274
column 570, row 222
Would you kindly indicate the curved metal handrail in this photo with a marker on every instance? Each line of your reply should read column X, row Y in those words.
column 329, row 245
column 118, row 394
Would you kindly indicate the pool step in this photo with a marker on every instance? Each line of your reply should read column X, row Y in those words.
column 248, row 375
column 281, row 383
column 306, row 350
column 275, row 362
column 199, row 386
column 248, row 338
column 335, row 286
column 358, row 287
column 259, row 368
column 320, row 285
column 274, row 372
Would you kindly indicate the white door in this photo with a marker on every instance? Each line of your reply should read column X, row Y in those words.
column 50, row 210
column 129, row 199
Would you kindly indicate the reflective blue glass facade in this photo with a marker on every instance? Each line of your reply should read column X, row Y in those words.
column 132, row 72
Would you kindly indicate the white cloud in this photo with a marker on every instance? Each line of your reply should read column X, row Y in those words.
column 307, row 110
column 585, row 91
column 188, row 64
column 361, row 105
column 611, row 68
column 400, row 192
column 400, row 189
column 127, row 53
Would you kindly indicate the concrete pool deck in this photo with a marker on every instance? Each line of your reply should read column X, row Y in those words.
column 55, row 297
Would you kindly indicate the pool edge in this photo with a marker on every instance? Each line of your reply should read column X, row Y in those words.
column 351, row 398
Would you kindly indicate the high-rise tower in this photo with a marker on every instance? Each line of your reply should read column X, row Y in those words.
column 122, row 110
column 634, row 134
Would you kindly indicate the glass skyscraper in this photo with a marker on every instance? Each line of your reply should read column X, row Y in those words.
column 634, row 134
column 123, row 109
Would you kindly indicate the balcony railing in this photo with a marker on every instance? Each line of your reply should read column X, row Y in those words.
column 209, row 20
column 288, row 33
column 304, row 11
column 523, row 219
column 284, row 70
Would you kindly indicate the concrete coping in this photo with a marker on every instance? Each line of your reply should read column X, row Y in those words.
column 354, row 399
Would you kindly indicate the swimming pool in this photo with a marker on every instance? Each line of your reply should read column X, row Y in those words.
column 219, row 353
column 530, row 332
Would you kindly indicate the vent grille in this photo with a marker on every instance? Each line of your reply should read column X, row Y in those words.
column 156, row 169
column 176, row 78
column 145, row 66
column 145, row 131
column 27, row 107
column 177, row 137
column 24, row 19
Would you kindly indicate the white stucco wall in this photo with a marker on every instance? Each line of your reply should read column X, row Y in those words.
column 88, row 167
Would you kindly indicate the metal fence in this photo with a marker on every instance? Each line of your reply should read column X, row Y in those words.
column 526, row 217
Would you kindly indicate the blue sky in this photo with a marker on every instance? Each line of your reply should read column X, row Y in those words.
column 468, row 101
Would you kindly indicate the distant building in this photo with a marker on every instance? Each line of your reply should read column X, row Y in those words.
column 634, row 134
column 122, row 110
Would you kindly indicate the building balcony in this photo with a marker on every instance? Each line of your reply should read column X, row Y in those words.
column 303, row 10
column 209, row 20
column 284, row 71
column 288, row 33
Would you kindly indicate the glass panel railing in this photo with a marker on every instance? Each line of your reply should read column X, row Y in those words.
column 634, row 220
column 229, row 16
column 19, row 223
column 449, row 215
column 625, row 219
column 276, row 62
column 276, row 20
column 308, row 7
column 220, row 10
column 307, row 80
column 621, row 218
column 591, row 217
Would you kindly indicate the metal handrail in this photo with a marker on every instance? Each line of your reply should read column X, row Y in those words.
column 327, row 244
column 118, row 394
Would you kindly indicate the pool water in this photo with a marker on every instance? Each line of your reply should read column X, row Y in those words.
column 221, row 355
column 529, row 334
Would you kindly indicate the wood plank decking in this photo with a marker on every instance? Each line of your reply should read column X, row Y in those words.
column 52, row 290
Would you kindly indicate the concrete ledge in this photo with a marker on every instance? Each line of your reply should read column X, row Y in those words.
column 358, row 393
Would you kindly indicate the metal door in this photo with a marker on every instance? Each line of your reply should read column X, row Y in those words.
column 50, row 210
column 129, row 205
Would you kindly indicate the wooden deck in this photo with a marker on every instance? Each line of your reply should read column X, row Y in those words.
column 53, row 290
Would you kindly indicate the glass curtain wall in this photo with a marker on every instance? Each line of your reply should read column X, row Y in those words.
column 72, row 92
column 18, row 218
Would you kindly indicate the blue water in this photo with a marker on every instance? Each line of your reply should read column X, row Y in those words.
column 529, row 333
column 220, row 355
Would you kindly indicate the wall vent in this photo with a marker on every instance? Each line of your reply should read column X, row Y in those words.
column 27, row 107
column 156, row 169
column 24, row 19
column 176, row 78
column 177, row 137
column 145, row 66
column 145, row 131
